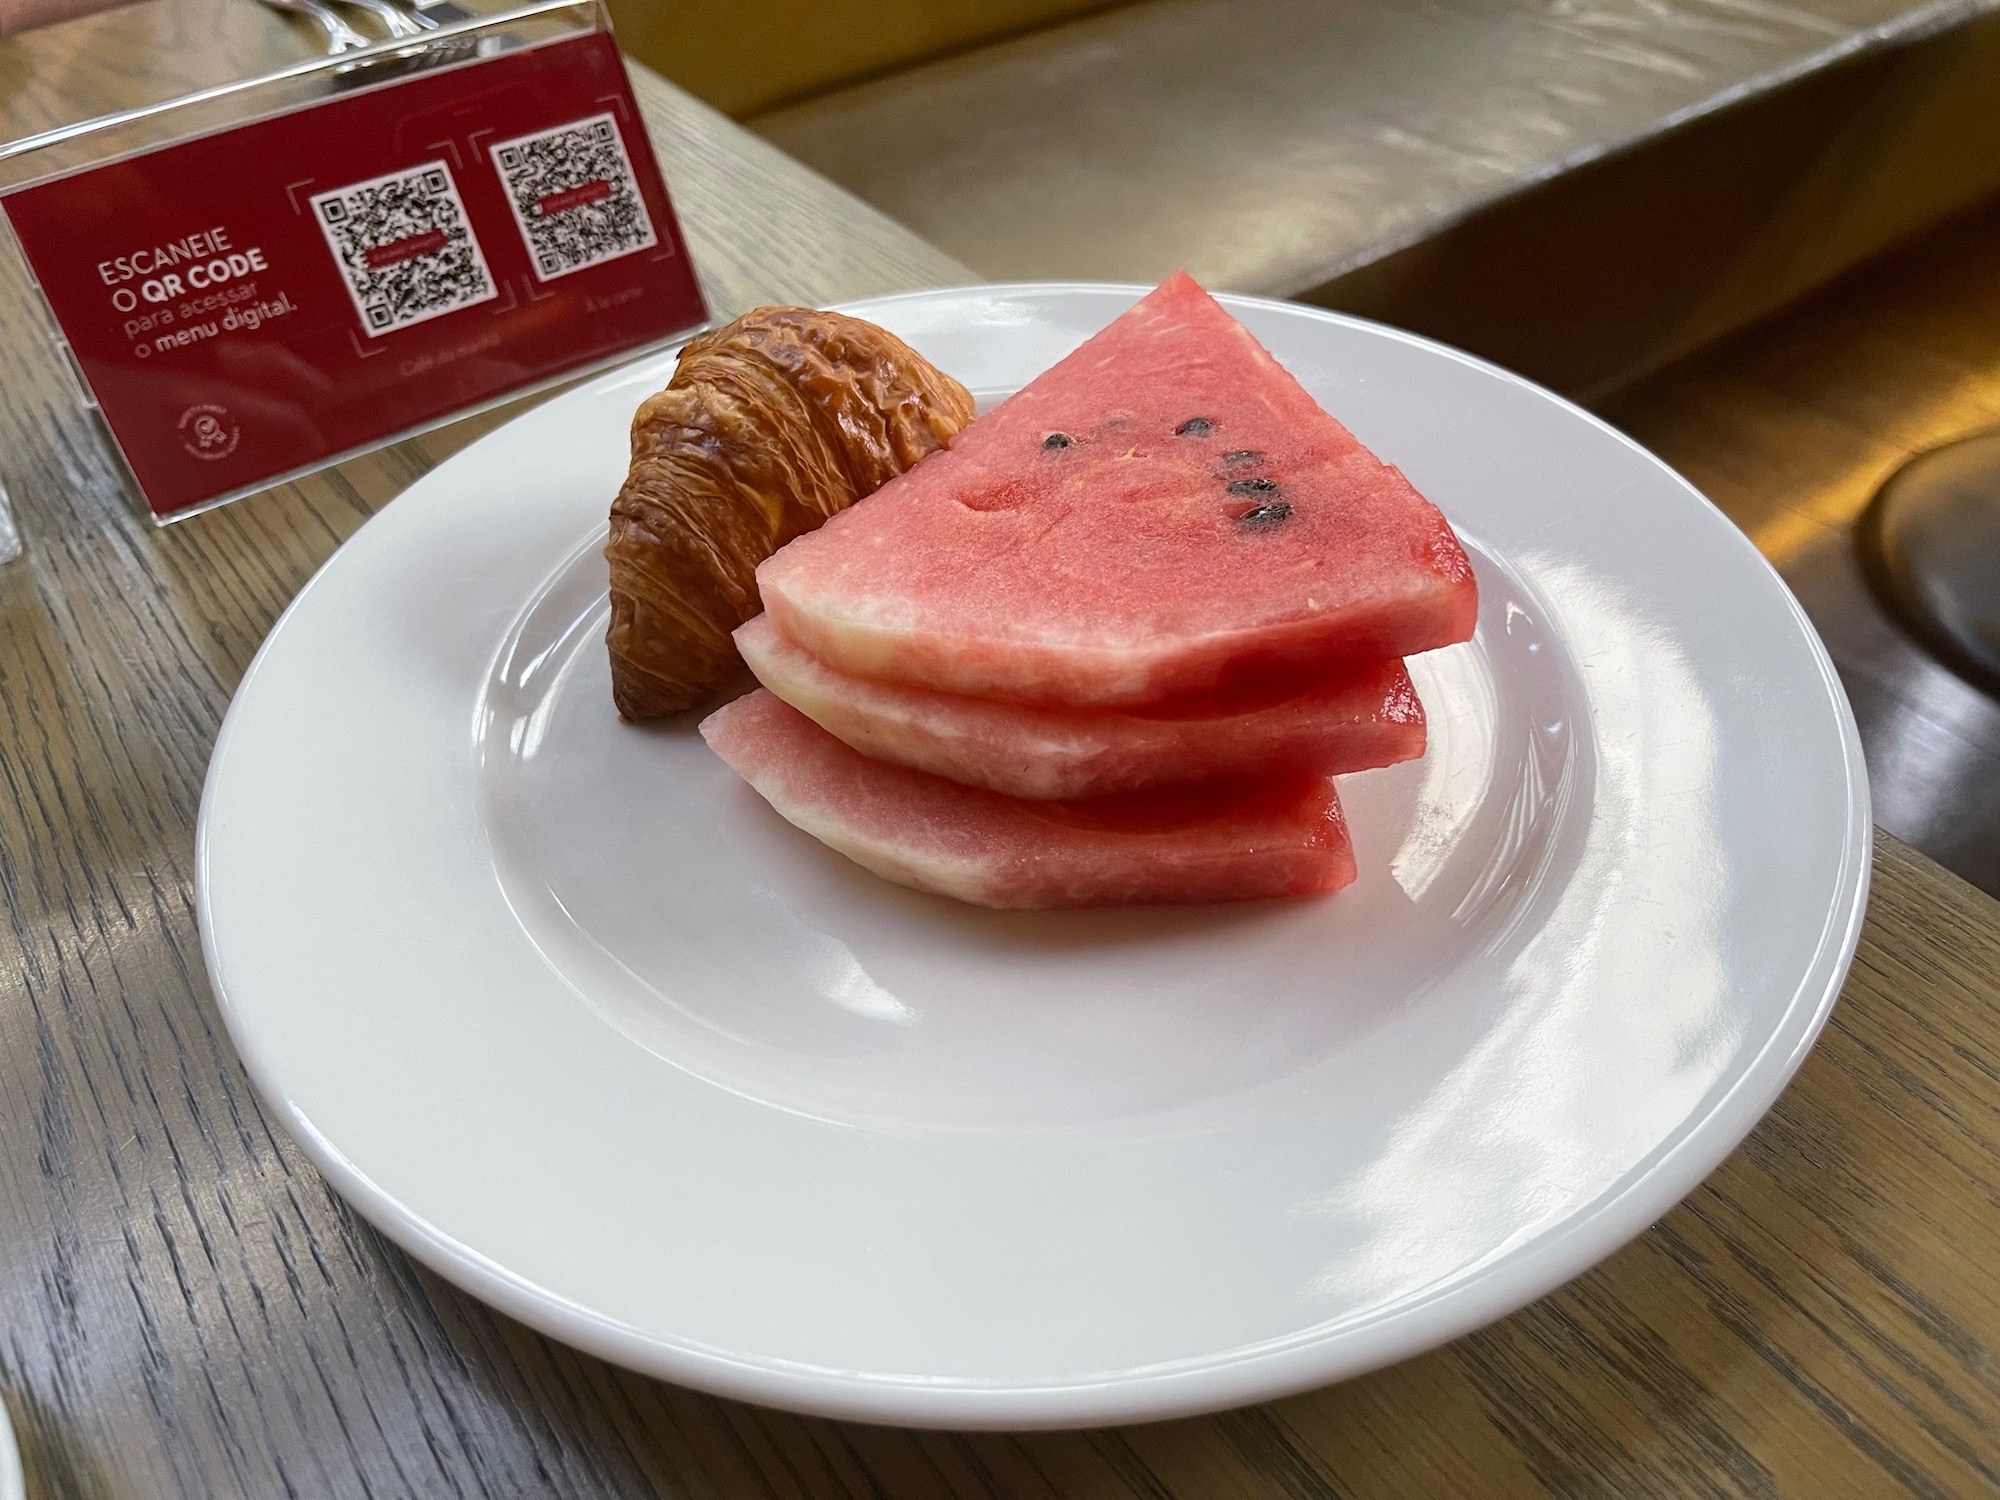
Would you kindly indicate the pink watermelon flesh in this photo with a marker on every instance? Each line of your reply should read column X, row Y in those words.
column 1164, row 512
column 1282, row 837
column 1361, row 718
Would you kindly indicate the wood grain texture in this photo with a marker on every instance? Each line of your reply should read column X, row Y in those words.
column 186, row 1310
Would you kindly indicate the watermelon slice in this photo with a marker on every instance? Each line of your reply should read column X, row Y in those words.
column 1165, row 512
column 1351, row 722
column 1284, row 837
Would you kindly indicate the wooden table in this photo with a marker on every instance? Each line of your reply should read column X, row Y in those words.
column 186, row 1311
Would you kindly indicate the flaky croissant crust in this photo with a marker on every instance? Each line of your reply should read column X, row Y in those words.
column 771, row 424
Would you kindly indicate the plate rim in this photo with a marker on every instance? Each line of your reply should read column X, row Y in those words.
column 1492, row 1288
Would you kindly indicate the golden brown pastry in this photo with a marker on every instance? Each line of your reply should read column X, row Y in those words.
column 770, row 425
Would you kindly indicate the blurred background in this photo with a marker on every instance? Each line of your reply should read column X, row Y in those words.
column 1763, row 238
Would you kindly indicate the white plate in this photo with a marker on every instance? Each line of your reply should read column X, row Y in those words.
column 13, row 1483
column 577, row 1020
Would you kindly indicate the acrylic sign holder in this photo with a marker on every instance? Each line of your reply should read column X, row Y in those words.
column 257, row 281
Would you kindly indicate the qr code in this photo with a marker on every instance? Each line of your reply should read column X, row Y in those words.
column 404, row 246
column 574, row 195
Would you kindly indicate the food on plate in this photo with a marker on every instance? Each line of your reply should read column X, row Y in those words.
column 770, row 424
column 1358, row 718
column 1165, row 512
column 1112, row 645
column 1277, row 836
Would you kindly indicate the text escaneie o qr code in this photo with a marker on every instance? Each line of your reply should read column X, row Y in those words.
column 574, row 195
column 404, row 246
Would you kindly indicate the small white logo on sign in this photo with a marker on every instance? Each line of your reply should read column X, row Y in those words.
column 209, row 431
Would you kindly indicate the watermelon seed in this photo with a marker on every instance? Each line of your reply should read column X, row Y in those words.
column 1242, row 456
column 1055, row 440
column 1195, row 427
column 1264, row 516
column 1257, row 486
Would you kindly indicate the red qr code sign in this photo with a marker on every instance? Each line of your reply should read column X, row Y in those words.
column 252, row 302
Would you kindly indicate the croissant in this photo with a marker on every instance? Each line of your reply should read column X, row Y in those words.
column 770, row 425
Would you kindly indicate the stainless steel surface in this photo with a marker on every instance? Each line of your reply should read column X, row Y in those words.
column 1930, row 544
column 1932, row 739
column 1580, row 189
column 339, row 36
column 221, row 101
column 397, row 20
column 1615, row 268
column 1270, row 145
column 1792, row 428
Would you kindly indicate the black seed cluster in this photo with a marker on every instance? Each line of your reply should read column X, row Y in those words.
column 1264, row 517
column 1269, row 507
column 1054, row 441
